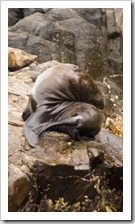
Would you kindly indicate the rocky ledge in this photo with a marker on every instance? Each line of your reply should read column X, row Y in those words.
column 59, row 174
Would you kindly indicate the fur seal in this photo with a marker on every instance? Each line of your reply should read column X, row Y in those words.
column 18, row 58
column 66, row 99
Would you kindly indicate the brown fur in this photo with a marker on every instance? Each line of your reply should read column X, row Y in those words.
column 63, row 98
column 18, row 59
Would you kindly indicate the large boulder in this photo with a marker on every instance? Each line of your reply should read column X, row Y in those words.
column 85, row 46
column 19, row 186
column 93, row 15
column 115, row 42
column 79, row 36
column 44, row 49
column 14, row 15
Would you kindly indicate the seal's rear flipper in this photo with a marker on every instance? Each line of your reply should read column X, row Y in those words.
column 33, row 128
column 30, row 136
column 70, row 122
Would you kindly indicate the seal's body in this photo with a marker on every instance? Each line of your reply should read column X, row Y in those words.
column 64, row 99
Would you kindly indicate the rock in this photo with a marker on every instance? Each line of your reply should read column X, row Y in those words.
column 118, row 13
column 116, row 84
column 18, row 58
column 94, row 16
column 91, row 43
column 29, row 11
column 112, row 29
column 19, row 186
column 14, row 15
column 67, row 41
column 15, row 112
column 53, row 34
column 60, row 14
column 72, row 170
column 18, row 40
column 14, row 138
column 115, row 58
column 115, row 125
column 15, row 145
column 44, row 49
column 112, row 144
column 17, row 87
column 27, row 76
column 113, row 95
column 36, row 24
column 60, row 169
column 59, row 149
column 58, row 44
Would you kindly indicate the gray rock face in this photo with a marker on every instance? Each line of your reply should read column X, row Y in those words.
column 29, row 11
column 77, row 36
column 14, row 15
column 118, row 13
column 115, row 43
column 36, row 44
column 94, row 16
column 18, row 187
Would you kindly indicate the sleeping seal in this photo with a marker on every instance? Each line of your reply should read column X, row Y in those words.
column 66, row 99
